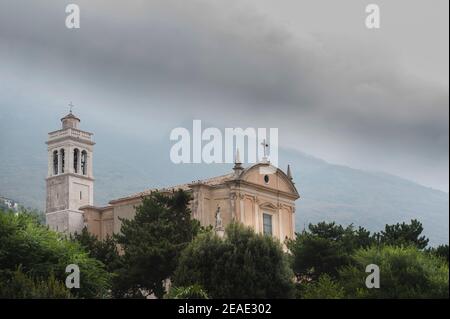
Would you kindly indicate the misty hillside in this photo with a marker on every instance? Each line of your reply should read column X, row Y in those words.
column 124, row 165
column 369, row 199
column 328, row 192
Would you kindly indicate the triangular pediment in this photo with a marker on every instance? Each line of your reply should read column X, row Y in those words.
column 267, row 205
column 275, row 179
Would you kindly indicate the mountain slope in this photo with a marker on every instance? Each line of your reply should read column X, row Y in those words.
column 328, row 192
column 370, row 199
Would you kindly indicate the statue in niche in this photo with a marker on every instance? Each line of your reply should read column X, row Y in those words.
column 218, row 219
column 220, row 231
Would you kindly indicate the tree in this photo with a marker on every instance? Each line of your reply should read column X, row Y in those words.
column 362, row 238
column 325, row 248
column 349, row 237
column 190, row 292
column 42, row 253
column 17, row 285
column 152, row 243
column 313, row 256
column 324, row 288
column 441, row 251
column 241, row 265
column 329, row 231
column 102, row 250
column 405, row 272
column 404, row 235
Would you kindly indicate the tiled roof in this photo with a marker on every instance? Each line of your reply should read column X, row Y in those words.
column 209, row 182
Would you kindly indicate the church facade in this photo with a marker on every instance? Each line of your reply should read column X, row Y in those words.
column 260, row 196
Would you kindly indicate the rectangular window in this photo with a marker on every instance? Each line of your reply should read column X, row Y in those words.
column 267, row 224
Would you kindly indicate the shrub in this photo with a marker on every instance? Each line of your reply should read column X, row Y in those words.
column 42, row 253
column 189, row 292
column 405, row 272
column 242, row 265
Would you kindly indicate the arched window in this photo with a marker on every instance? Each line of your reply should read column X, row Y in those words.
column 55, row 163
column 84, row 162
column 63, row 160
column 76, row 158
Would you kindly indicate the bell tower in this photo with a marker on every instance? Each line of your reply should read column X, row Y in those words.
column 70, row 182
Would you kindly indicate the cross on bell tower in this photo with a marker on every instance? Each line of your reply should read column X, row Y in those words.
column 70, row 107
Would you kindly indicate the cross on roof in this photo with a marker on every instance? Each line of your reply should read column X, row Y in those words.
column 70, row 107
column 265, row 146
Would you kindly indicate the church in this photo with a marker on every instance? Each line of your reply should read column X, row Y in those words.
column 264, row 201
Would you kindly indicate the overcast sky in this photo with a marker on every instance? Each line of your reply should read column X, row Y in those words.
column 371, row 99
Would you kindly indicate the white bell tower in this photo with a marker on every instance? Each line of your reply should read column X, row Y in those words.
column 70, row 183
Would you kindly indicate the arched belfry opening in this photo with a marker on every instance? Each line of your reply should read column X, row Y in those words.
column 84, row 162
column 76, row 159
column 62, row 153
column 55, row 162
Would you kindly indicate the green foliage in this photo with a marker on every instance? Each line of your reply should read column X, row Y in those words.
column 162, row 242
column 349, row 237
column 152, row 243
column 102, row 250
column 325, row 248
column 405, row 272
column 313, row 256
column 17, row 285
column 42, row 253
column 242, row 265
column 329, row 231
column 404, row 235
column 190, row 292
column 324, row 288
column 38, row 215
column 441, row 251
column 339, row 255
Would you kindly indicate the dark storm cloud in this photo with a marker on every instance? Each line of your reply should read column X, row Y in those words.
column 207, row 55
column 195, row 49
